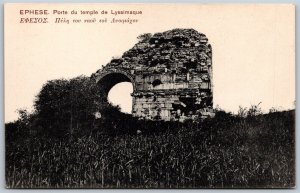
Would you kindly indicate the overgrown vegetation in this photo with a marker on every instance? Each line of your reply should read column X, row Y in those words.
column 62, row 144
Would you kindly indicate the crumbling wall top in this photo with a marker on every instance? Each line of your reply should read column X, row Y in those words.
column 173, row 51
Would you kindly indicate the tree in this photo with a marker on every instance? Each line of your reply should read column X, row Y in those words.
column 64, row 105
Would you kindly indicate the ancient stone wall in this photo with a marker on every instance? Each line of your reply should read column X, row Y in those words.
column 171, row 73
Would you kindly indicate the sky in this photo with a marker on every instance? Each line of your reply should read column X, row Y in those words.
column 253, row 49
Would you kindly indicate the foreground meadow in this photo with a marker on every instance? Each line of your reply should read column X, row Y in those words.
column 223, row 152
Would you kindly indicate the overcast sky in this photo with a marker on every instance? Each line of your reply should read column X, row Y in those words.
column 253, row 49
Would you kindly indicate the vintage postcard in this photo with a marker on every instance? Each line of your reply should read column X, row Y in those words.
column 149, row 95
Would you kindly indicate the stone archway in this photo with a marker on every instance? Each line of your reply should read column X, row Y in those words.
column 171, row 74
column 109, row 79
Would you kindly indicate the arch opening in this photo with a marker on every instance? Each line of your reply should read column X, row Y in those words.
column 120, row 95
column 116, row 88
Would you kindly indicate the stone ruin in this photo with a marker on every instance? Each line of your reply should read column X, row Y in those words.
column 171, row 74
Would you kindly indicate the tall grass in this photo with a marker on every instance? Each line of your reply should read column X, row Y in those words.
column 222, row 152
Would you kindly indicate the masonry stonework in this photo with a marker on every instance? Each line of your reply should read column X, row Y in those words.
column 171, row 74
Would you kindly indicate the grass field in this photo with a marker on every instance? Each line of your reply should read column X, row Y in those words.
column 223, row 152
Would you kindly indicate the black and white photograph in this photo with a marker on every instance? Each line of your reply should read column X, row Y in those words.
column 149, row 96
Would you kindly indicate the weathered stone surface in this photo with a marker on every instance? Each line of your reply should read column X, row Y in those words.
column 171, row 74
